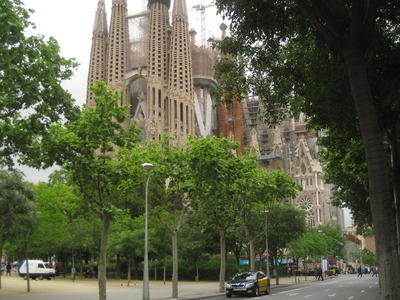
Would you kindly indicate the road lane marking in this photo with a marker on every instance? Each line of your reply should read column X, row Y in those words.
column 362, row 291
column 299, row 289
column 307, row 296
column 327, row 290
column 351, row 297
column 333, row 295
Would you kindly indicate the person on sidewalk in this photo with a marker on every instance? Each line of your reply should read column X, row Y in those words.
column 289, row 271
column 8, row 269
column 359, row 271
column 320, row 274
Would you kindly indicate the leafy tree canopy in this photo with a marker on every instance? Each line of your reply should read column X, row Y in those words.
column 31, row 96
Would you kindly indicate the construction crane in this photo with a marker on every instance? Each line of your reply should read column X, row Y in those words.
column 202, row 8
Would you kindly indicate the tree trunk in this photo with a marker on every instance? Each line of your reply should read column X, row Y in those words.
column 28, row 282
column 197, row 272
column 81, row 264
column 223, row 261
column 1, row 255
column 252, row 255
column 396, row 180
column 381, row 194
column 165, row 273
column 175, row 264
column 118, row 266
column 102, row 267
column 129, row 271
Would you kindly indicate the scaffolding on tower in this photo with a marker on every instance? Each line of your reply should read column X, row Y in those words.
column 138, row 39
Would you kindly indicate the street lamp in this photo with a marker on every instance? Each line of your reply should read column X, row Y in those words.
column 266, row 240
column 146, row 293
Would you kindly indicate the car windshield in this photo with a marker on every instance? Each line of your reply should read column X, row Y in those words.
column 245, row 276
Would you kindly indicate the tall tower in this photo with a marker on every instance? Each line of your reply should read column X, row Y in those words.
column 98, row 55
column 180, row 81
column 117, row 57
column 157, row 69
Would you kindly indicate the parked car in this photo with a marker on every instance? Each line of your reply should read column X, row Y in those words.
column 333, row 271
column 37, row 269
column 248, row 283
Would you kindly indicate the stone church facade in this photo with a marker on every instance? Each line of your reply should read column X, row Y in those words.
column 167, row 80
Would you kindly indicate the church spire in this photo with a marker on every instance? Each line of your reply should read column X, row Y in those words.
column 118, row 41
column 165, row 2
column 158, row 106
column 179, row 11
column 180, row 71
column 97, row 65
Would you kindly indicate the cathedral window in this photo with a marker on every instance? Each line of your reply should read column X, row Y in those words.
column 303, row 169
column 181, row 111
column 175, row 109
column 306, row 204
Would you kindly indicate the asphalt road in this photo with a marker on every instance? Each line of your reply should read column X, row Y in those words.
column 344, row 287
column 349, row 287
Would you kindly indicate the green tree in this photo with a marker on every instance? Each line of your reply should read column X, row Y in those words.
column 335, row 234
column 311, row 244
column 126, row 239
column 368, row 258
column 193, row 245
column 285, row 224
column 87, row 149
column 257, row 190
column 57, row 206
column 214, row 171
column 168, row 202
column 346, row 34
column 17, row 211
column 31, row 95
column 347, row 170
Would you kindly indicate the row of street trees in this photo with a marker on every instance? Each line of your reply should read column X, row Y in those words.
column 101, row 159
column 102, row 184
column 335, row 61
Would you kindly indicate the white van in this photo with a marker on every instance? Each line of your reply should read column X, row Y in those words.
column 37, row 269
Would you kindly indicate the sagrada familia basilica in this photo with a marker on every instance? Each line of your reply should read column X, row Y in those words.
column 167, row 79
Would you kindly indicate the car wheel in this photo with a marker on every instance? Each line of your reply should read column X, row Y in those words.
column 268, row 290
column 228, row 295
column 256, row 291
column 41, row 277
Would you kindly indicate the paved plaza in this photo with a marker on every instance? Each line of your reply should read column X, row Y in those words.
column 15, row 285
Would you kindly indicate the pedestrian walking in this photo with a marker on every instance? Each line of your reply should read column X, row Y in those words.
column 359, row 271
column 374, row 271
column 320, row 274
column 73, row 272
column 8, row 269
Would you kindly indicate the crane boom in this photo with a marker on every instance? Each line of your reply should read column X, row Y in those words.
column 202, row 8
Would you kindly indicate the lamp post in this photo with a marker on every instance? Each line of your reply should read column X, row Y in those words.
column 266, row 241
column 146, row 293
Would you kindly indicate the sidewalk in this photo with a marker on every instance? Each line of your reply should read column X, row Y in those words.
column 15, row 285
